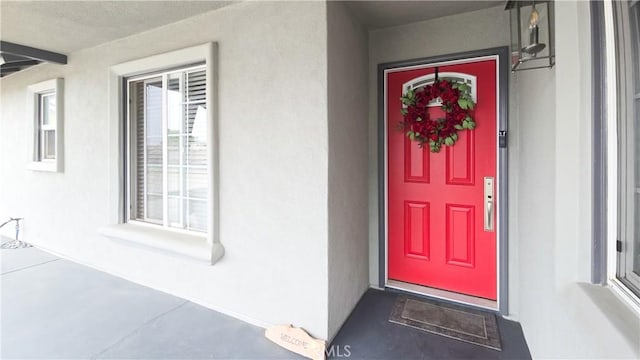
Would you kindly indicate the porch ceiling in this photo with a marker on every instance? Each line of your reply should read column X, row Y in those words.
column 380, row 14
column 67, row 26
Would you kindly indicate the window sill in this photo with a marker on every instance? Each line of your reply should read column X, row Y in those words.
column 48, row 166
column 191, row 246
column 625, row 295
column 621, row 315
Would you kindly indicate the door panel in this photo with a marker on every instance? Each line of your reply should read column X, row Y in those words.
column 436, row 205
column 416, row 217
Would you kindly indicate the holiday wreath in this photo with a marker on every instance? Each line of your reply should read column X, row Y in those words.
column 457, row 104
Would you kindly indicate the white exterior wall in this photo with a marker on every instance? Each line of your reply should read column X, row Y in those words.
column 348, row 181
column 273, row 164
column 549, row 182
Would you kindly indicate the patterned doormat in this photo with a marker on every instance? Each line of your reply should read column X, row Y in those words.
column 473, row 326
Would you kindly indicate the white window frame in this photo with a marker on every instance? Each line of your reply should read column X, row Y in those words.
column 35, row 97
column 43, row 128
column 130, row 154
column 202, row 246
column 617, row 207
column 429, row 79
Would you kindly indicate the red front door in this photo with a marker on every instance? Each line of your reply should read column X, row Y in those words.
column 437, row 202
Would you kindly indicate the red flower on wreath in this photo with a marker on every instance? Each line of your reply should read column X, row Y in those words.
column 457, row 104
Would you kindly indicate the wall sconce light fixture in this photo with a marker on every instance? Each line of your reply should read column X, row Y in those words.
column 532, row 34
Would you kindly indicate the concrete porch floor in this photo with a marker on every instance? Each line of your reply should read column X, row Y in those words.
column 54, row 308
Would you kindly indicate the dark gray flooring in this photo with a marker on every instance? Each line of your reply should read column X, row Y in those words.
column 52, row 308
column 370, row 335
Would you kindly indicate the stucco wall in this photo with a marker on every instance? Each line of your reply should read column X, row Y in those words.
column 273, row 164
column 348, row 109
column 562, row 316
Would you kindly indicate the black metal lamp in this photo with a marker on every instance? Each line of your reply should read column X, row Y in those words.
column 532, row 34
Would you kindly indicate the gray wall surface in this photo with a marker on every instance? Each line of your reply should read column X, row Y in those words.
column 553, row 208
column 347, row 96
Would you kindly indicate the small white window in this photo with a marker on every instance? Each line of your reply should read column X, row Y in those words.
column 47, row 124
column 45, row 102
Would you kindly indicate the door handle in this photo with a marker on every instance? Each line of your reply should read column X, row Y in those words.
column 488, row 204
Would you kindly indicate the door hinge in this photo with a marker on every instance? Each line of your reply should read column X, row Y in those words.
column 618, row 246
column 502, row 138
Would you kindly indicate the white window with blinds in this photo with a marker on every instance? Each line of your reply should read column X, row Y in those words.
column 168, row 149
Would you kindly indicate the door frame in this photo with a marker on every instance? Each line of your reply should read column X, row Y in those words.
column 501, row 55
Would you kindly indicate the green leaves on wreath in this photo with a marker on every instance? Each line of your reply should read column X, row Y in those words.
column 468, row 123
column 409, row 98
column 451, row 139
column 463, row 87
column 460, row 86
column 466, row 103
column 434, row 146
